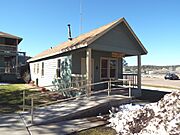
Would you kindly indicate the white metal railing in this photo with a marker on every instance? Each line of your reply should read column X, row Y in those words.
column 132, row 78
column 8, row 70
column 85, row 86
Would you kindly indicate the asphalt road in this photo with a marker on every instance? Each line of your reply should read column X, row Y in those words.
column 160, row 81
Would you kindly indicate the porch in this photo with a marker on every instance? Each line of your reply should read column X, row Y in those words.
column 9, row 74
column 10, row 63
column 96, row 66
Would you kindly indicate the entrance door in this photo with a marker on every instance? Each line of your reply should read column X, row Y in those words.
column 83, row 68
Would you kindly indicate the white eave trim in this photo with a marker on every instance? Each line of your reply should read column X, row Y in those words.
column 74, row 47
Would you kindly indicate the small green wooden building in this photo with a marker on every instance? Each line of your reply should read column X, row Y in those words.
column 97, row 54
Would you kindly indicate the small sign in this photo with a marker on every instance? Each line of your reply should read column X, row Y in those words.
column 117, row 55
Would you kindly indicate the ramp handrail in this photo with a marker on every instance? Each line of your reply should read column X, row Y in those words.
column 109, row 89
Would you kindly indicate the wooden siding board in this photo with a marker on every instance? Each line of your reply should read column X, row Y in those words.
column 129, row 34
column 1, row 61
column 111, row 48
column 50, row 66
column 96, row 55
column 76, row 61
column 118, row 39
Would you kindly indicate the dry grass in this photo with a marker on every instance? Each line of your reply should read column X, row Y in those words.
column 103, row 130
column 11, row 97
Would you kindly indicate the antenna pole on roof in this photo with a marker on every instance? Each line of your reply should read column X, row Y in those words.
column 81, row 14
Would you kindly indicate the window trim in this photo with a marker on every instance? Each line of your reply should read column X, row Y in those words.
column 108, row 68
column 116, row 68
column 34, row 68
column 103, row 58
column 37, row 68
column 42, row 69
column 58, row 69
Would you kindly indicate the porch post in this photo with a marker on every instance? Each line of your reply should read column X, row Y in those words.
column 17, row 56
column 139, row 72
column 16, row 63
column 88, row 70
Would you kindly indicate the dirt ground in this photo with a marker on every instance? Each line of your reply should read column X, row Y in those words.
column 160, row 81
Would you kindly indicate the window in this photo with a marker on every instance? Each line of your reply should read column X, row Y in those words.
column 34, row 68
column 42, row 69
column 108, row 68
column 113, row 66
column 58, row 73
column 10, row 41
column 104, row 68
column 2, row 40
column 38, row 68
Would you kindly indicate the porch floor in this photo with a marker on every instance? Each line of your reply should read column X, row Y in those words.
column 77, row 108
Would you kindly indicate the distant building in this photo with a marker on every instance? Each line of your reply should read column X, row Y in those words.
column 10, row 58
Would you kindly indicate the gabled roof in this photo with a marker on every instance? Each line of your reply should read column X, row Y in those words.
column 6, row 35
column 83, row 41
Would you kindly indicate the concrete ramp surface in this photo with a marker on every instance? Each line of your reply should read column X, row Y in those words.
column 73, row 109
column 12, row 124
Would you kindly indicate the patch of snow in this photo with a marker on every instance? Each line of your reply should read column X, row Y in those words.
column 4, row 83
column 160, row 118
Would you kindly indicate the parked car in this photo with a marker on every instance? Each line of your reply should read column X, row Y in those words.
column 171, row 76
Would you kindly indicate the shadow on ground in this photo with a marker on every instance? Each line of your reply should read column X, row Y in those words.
column 152, row 95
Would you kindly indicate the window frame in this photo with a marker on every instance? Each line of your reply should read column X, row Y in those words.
column 42, row 69
column 34, row 68
column 103, row 58
column 116, row 68
column 109, row 68
column 37, row 68
column 58, row 69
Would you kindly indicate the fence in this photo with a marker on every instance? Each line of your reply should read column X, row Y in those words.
column 132, row 78
column 77, row 86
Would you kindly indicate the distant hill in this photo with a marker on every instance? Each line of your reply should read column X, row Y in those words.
column 147, row 69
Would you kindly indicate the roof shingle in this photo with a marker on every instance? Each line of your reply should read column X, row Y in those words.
column 6, row 35
column 3, row 34
column 78, row 42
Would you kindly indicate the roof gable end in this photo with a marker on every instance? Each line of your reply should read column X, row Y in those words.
column 83, row 40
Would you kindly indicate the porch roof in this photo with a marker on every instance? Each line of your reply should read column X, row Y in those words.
column 6, row 35
column 85, row 40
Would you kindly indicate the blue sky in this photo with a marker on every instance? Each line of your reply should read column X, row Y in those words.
column 43, row 23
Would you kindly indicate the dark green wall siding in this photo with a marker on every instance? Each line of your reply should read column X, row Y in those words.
column 1, row 61
column 76, row 61
column 118, row 39
column 96, row 55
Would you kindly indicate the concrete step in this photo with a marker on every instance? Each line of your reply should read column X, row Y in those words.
column 72, row 109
